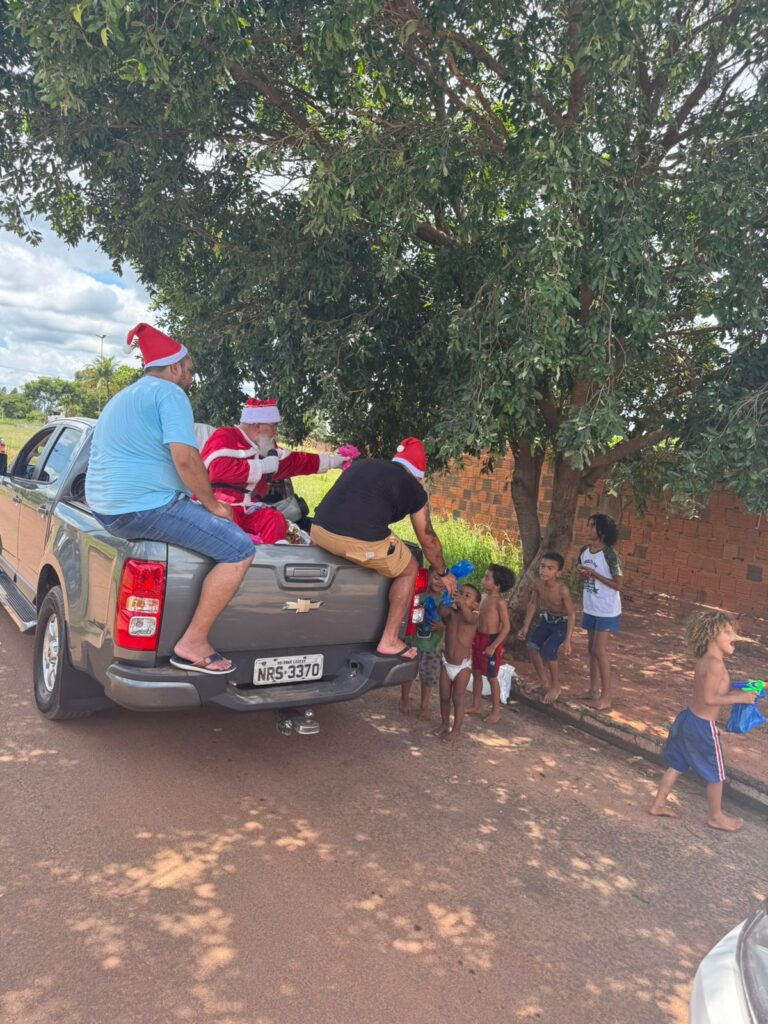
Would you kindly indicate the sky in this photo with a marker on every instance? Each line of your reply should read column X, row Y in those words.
column 55, row 301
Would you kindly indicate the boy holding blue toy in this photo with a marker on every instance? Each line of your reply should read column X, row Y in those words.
column 694, row 741
column 428, row 642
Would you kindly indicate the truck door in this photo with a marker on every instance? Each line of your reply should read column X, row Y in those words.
column 49, row 460
column 9, row 524
column 12, row 486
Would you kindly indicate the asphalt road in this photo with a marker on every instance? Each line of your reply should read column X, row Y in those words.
column 200, row 868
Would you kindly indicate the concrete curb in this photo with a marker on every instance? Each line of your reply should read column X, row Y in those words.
column 739, row 786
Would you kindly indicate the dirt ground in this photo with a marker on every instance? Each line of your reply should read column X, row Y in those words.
column 653, row 672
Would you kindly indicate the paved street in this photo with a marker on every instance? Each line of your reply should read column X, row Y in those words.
column 200, row 868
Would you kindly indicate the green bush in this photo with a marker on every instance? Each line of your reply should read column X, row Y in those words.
column 459, row 539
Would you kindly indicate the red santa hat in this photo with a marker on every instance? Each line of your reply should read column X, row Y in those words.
column 156, row 348
column 257, row 410
column 410, row 453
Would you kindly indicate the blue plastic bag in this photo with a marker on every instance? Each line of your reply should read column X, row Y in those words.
column 744, row 717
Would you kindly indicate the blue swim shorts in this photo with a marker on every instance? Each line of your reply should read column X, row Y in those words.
column 694, row 742
column 186, row 524
column 600, row 623
column 548, row 633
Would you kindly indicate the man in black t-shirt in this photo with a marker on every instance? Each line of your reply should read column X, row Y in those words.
column 353, row 521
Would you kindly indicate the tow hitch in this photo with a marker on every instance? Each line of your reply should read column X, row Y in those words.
column 300, row 720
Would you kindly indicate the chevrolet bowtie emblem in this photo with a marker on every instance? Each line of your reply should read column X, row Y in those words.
column 302, row 605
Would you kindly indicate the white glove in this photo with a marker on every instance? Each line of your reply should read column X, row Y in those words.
column 336, row 461
column 269, row 465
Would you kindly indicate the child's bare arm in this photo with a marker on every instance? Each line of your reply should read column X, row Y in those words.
column 504, row 627
column 570, row 611
column 530, row 611
column 713, row 680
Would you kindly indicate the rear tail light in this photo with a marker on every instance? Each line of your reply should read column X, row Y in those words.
column 140, row 605
column 417, row 612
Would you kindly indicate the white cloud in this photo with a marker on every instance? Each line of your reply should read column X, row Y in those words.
column 55, row 301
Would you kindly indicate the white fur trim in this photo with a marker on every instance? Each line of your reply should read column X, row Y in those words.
column 329, row 462
column 229, row 453
column 409, row 466
column 255, row 472
column 260, row 414
column 169, row 360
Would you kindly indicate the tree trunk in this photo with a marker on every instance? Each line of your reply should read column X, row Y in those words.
column 526, row 480
column 557, row 535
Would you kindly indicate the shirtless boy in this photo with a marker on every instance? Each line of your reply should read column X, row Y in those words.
column 693, row 740
column 552, row 600
column 492, row 630
column 460, row 627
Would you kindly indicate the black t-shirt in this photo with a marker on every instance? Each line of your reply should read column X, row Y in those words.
column 369, row 496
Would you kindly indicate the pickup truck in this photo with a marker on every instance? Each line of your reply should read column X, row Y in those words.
column 302, row 629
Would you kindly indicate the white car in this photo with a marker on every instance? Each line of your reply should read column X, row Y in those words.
column 731, row 984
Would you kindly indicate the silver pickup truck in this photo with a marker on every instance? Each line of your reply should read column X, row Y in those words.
column 302, row 629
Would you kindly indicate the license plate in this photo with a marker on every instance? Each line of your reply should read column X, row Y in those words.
column 296, row 668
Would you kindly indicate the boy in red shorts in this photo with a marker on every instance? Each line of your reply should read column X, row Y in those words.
column 492, row 630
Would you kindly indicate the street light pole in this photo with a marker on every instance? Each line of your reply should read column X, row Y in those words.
column 101, row 338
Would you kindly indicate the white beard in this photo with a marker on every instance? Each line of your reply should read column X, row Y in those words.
column 265, row 445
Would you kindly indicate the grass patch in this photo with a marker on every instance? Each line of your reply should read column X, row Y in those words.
column 459, row 539
column 15, row 433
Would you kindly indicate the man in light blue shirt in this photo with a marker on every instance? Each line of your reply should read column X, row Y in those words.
column 144, row 464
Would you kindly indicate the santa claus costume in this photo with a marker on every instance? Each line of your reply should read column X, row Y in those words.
column 241, row 470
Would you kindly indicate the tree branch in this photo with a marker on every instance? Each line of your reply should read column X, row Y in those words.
column 626, row 448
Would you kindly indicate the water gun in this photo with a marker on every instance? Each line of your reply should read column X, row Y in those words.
column 744, row 717
column 461, row 570
column 758, row 686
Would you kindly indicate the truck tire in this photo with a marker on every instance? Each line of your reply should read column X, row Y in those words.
column 54, row 677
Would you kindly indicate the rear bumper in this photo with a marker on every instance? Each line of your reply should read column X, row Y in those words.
column 165, row 688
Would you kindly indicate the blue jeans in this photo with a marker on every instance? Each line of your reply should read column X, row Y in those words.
column 547, row 636
column 186, row 524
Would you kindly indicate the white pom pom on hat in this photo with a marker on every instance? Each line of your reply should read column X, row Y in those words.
column 410, row 453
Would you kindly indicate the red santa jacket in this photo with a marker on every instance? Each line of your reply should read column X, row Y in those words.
column 234, row 464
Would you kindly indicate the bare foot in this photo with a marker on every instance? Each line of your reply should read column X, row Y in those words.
column 726, row 824
column 405, row 707
column 423, row 715
column 441, row 731
column 551, row 696
column 472, row 710
column 586, row 696
column 452, row 736
column 662, row 811
column 494, row 717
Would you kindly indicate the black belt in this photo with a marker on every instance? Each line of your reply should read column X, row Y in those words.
column 230, row 487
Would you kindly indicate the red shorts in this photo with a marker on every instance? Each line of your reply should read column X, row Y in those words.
column 481, row 662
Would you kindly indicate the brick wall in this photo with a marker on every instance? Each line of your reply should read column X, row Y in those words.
column 720, row 559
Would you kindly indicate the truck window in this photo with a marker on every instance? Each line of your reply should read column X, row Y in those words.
column 26, row 464
column 60, row 455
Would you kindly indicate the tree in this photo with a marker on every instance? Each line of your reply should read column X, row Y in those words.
column 497, row 225
column 52, row 395
column 100, row 379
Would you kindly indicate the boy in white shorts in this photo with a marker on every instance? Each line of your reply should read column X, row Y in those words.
column 460, row 627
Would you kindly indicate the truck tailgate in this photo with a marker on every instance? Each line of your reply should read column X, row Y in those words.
column 293, row 598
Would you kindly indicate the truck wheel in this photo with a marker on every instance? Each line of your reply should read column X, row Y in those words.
column 53, row 675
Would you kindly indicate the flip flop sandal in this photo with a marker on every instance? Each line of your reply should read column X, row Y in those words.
column 400, row 655
column 202, row 666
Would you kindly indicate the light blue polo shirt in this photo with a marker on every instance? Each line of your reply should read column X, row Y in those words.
column 130, row 467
